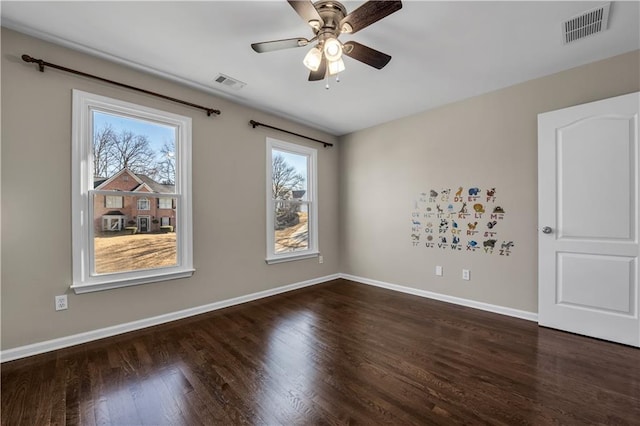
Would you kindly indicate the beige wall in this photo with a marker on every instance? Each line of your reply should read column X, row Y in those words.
column 228, row 203
column 489, row 140
column 485, row 141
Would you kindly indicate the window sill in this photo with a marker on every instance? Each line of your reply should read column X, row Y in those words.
column 290, row 258
column 127, row 282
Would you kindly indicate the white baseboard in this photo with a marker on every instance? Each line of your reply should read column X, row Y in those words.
column 531, row 316
column 76, row 339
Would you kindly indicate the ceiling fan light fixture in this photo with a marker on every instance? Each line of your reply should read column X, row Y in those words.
column 332, row 49
column 315, row 24
column 312, row 59
column 336, row 67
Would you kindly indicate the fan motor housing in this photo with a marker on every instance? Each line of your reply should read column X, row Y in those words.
column 331, row 12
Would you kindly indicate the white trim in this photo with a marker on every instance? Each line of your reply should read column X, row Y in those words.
column 84, row 104
column 311, row 202
column 291, row 257
column 89, row 336
column 144, row 216
column 497, row 309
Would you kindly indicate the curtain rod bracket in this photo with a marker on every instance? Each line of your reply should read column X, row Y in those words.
column 255, row 124
column 41, row 65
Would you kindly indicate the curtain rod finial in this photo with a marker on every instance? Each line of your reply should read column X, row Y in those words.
column 40, row 62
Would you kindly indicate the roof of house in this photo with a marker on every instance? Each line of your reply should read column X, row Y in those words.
column 156, row 186
column 142, row 180
column 298, row 193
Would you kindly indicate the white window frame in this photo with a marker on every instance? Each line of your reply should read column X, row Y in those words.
column 163, row 200
column 84, row 279
column 112, row 198
column 107, row 219
column 143, row 200
column 312, row 202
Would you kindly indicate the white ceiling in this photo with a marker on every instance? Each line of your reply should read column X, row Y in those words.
column 442, row 51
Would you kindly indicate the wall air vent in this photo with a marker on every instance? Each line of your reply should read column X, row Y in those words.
column 586, row 24
column 229, row 82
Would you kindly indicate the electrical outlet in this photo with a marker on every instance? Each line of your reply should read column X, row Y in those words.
column 439, row 270
column 320, row 259
column 61, row 302
column 466, row 274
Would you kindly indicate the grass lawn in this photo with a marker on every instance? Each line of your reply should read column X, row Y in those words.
column 125, row 252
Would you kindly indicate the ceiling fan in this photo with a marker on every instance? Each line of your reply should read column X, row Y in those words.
column 328, row 19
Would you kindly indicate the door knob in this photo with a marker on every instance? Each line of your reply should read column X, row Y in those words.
column 547, row 230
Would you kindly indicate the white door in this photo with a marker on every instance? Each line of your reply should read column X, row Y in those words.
column 588, row 219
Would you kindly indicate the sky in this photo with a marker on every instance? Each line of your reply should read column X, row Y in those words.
column 299, row 162
column 156, row 133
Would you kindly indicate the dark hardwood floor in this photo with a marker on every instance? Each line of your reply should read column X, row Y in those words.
column 334, row 353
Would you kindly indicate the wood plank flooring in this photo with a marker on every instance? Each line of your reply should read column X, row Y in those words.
column 334, row 353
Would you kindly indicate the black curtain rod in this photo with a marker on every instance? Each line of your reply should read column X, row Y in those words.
column 256, row 124
column 42, row 64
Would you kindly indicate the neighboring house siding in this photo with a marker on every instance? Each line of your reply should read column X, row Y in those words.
column 125, row 180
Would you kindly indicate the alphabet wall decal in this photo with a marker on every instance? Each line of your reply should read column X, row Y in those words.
column 470, row 221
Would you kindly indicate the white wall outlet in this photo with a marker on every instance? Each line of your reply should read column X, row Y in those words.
column 439, row 270
column 320, row 259
column 466, row 274
column 61, row 302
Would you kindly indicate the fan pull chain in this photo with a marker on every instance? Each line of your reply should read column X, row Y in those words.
column 337, row 81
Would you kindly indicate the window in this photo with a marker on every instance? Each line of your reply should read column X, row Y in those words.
column 165, row 221
column 113, row 202
column 143, row 204
column 164, row 203
column 109, row 237
column 112, row 223
column 292, row 210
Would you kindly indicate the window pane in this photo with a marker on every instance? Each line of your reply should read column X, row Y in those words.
column 291, row 226
column 130, row 233
column 125, row 240
column 289, row 176
column 145, row 148
column 164, row 203
column 143, row 204
column 113, row 202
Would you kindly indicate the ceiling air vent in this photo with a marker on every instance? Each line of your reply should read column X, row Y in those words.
column 586, row 24
column 227, row 81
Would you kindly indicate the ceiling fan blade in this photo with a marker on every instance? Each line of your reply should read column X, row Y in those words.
column 307, row 11
column 322, row 71
column 370, row 12
column 270, row 46
column 365, row 54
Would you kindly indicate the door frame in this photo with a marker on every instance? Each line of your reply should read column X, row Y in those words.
column 148, row 218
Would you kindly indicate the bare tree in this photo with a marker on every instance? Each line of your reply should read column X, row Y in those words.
column 284, row 178
column 134, row 152
column 113, row 152
column 167, row 166
column 102, row 155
